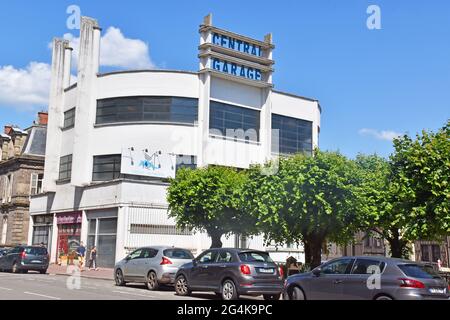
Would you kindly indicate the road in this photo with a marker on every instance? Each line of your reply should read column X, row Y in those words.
column 34, row 286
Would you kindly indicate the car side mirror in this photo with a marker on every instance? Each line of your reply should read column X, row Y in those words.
column 127, row 258
column 317, row 271
column 194, row 262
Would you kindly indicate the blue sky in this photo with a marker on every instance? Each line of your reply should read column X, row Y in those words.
column 370, row 83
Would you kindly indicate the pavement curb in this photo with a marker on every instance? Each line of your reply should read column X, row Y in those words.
column 82, row 276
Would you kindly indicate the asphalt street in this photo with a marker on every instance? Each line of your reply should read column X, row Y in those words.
column 34, row 286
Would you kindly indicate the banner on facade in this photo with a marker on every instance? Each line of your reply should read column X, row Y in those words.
column 148, row 163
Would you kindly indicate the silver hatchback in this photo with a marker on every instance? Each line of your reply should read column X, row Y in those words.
column 367, row 278
column 151, row 265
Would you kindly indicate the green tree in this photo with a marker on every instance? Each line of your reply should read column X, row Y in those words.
column 407, row 198
column 210, row 199
column 309, row 200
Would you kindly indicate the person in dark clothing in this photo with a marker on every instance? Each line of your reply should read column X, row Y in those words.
column 93, row 259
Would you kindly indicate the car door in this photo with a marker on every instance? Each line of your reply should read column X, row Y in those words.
column 130, row 270
column 364, row 280
column 223, row 263
column 11, row 257
column 328, row 285
column 201, row 271
column 147, row 262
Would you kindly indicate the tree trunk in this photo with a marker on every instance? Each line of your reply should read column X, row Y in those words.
column 398, row 246
column 313, row 250
column 215, row 236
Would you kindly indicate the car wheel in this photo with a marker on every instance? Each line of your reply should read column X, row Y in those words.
column 43, row 271
column 382, row 297
column 152, row 281
column 181, row 286
column 271, row 297
column 15, row 268
column 229, row 291
column 118, row 277
column 24, row 271
column 297, row 294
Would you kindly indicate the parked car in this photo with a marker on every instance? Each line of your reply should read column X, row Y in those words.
column 367, row 278
column 231, row 273
column 3, row 251
column 25, row 258
column 151, row 265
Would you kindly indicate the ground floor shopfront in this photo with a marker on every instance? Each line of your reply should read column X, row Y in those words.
column 118, row 217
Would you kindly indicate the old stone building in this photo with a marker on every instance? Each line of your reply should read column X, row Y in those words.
column 21, row 173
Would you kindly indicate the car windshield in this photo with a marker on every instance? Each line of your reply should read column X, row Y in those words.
column 418, row 271
column 178, row 254
column 255, row 257
column 36, row 251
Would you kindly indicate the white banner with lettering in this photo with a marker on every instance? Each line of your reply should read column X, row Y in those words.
column 149, row 163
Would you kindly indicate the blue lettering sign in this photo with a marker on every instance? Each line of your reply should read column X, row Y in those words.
column 239, row 42
column 223, row 40
column 216, row 38
column 216, row 64
column 246, row 47
column 236, row 70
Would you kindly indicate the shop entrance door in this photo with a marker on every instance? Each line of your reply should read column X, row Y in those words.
column 103, row 234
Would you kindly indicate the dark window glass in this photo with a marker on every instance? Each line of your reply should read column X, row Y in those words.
column 189, row 162
column 154, row 109
column 136, row 254
column 436, row 252
column 36, row 251
column 208, row 257
column 65, row 167
column 417, row 271
column 225, row 118
column 295, row 135
column 149, row 253
column 69, row 118
column 178, row 254
column 224, row 257
column 106, row 168
column 425, row 252
column 365, row 266
column 107, row 226
column 255, row 257
column 337, row 267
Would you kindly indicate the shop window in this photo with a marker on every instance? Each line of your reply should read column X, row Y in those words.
column 65, row 167
column 147, row 109
column 224, row 117
column 69, row 118
column 106, row 168
column 295, row 135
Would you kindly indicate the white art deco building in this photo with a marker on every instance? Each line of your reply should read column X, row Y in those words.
column 114, row 139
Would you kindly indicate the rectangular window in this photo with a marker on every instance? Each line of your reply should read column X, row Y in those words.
column 147, row 109
column 295, row 135
column 106, row 168
column 425, row 252
column 157, row 229
column 436, row 252
column 186, row 162
column 10, row 181
column 234, row 122
column 65, row 167
column 36, row 183
column 69, row 118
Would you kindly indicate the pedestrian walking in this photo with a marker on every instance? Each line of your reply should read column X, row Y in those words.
column 81, row 252
column 93, row 259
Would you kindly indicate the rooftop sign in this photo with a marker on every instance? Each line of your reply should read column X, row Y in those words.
column 234, row 56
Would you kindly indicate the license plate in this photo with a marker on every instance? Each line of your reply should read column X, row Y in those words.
column 437, row 291
column 266, row 270
column 36, row 261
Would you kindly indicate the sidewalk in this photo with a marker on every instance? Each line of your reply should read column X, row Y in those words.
column 102, row 273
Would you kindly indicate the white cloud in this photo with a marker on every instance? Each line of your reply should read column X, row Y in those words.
column 387, row 135
column 118, row 51
column 28, row 88
column 25, row 88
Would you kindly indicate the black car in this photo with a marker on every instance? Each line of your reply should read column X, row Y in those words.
column 230, row 273
column 25, row 258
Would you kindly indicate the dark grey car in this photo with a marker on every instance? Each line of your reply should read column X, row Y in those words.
column 230, row 273
column 25, row 258
column 367, row 278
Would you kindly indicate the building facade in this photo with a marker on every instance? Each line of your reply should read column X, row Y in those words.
column 21, row 175
column 114, row 139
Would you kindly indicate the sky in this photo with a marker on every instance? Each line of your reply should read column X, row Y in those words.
column 372, row 84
